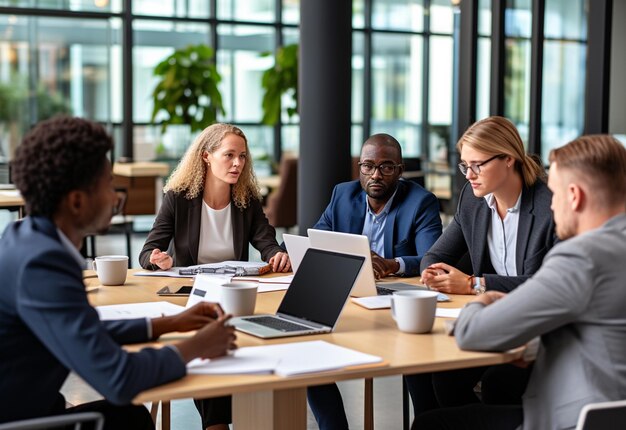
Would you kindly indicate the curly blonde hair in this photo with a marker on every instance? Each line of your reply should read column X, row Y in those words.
column 188, row 177
column 496, row 135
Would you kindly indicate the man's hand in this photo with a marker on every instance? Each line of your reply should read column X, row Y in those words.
column 161, row 259
column 489, row 297
column 446, row 279
column 280, row 262
column 214, row 340
column 193, row 318
column 384, row 267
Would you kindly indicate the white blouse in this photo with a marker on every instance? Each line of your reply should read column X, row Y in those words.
column 216, row 235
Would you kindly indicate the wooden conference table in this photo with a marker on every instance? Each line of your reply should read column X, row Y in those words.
column 273, row 402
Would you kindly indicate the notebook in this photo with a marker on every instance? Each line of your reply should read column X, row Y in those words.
column 314, row 300
column 296, row 248
column 357, row 244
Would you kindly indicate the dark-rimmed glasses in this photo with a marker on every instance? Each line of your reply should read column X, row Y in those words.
column 476, row 166
column 385, row 169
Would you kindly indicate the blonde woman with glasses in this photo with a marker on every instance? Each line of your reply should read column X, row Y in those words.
column 504, row 225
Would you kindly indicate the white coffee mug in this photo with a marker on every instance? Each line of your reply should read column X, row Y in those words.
column 111, row 269
column 414, row 311
column 238, row 298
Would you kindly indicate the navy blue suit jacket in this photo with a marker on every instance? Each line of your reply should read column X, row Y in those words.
column 47, row 328
column 412, row 226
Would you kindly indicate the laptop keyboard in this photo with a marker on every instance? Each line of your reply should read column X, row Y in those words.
column 382, row 291
column 277, row 323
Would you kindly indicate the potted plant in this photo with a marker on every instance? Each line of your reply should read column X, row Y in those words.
column 187, row 91
column 281, row 78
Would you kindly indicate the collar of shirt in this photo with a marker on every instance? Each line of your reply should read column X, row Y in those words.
column 491, row 202
column 71, row 249
column 382, row 214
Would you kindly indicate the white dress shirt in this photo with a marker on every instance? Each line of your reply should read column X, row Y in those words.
column 502, row 237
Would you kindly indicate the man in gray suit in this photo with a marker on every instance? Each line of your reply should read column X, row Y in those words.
column 574, row 303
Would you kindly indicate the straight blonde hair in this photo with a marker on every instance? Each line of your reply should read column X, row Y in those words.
column 188, row 177
column 497, row 135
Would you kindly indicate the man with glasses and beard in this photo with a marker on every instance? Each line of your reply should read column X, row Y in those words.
column 400, row 219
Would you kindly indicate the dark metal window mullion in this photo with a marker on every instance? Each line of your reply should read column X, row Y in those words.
column 498, row 63
column 279, row 41
column 424, row 130
column 367, row 70
column 536, row 76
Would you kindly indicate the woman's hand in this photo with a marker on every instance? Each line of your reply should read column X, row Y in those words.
column 161, row 259
column 280, row 262
column 446, row 279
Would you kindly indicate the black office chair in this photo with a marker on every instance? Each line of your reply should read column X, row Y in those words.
column 118, row 226
column 94, row 419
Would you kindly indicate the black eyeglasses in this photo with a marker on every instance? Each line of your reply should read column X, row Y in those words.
column 476, row 166
column 385, row 169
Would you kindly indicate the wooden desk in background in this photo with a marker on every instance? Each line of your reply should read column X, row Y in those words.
column 273, row 402
column 12, row 201
column 139, row 181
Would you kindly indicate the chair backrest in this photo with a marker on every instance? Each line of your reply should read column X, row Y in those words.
column 602, row 416
column 282, row 204
column 95, row 419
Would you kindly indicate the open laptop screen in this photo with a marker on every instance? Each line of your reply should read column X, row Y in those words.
column 321, row 286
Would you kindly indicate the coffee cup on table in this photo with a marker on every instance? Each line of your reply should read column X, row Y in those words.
column 111, row 269
column 414, row 311
column 238, row 298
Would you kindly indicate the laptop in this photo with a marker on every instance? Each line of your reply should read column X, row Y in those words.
column 296, row 248
column 314, row 300
column 357, row 244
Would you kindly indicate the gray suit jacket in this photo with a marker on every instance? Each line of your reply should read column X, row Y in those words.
column 179, row 220
column 467, row 233
column 575, row 302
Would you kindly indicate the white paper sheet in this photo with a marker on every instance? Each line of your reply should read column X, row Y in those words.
column 267, row 280
column 448, row 312
column 285, row 359
column 138, row 310
column 384, row 302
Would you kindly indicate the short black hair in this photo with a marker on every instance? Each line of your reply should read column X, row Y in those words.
column 57, row 156
column 384, row 139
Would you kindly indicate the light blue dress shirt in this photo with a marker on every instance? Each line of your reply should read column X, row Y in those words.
column 374, row 229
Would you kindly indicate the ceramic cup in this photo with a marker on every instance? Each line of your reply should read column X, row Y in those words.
column 111, row 269
column 414, row 311
column 238, row 298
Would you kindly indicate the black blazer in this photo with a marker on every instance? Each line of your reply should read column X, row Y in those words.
column 177, row 228
column 467, row 233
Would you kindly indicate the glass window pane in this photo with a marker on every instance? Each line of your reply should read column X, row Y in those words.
column 441, row 16
column 397, row 88
column 174, row 8
column 357, row 140
column 358, row 85
column 241, row 65
column 484, row 17
column 398, row 14
column 155, row 41
column 358, row 11
column 483, row 77
column 518, row 18
column 291, row 36
column 565, row 19
column 291, row 11
column 440, row 93
column 517, row 85
column 73, row 5
column 246, row 10
column 291, row 139
column 55, row 65
column 261, row 144
column 563, row 94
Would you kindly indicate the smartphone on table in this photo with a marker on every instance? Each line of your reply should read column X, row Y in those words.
column 175, row 290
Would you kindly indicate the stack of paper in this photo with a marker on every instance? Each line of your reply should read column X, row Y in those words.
column 284, row 359
column 138, row 310
column 384, row 302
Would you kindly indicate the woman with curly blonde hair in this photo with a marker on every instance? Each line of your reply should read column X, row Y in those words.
column 212, row 209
